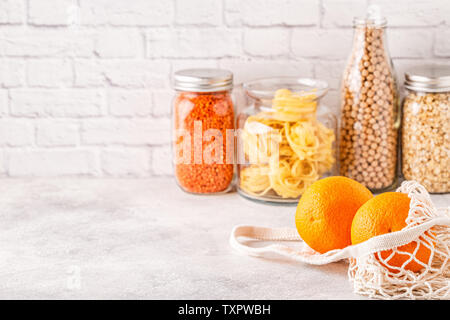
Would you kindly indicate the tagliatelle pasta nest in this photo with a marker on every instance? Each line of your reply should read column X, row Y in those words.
column 287, row 147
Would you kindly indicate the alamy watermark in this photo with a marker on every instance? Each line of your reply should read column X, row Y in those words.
column 237, row 146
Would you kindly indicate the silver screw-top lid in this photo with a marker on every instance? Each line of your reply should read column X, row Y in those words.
column 203, row 80
column 428, row 78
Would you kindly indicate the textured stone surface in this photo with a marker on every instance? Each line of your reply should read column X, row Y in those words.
column 81, row 238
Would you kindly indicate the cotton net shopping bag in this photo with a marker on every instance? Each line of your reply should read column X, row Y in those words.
column 369, row 270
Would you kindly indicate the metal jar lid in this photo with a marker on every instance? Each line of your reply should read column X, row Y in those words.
column 428, row 78
column 203, row 80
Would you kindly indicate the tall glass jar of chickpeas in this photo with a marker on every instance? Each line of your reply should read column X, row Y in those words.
column 370, row 116
column 426, row 127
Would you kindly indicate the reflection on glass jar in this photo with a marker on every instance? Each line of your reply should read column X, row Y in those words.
column 282, row 147
column 425, row 129
column 203, row 130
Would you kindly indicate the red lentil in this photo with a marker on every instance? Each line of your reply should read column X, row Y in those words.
column 215, row 111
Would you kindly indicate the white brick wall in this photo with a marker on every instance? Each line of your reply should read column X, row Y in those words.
column 85, row 84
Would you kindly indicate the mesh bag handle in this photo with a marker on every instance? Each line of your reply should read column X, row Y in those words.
column 366, row 269
column 308, row 255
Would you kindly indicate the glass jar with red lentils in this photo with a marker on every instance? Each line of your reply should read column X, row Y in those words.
column 203, row 130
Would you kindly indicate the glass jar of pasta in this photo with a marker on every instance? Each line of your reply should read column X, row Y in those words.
column 203, row 130
column 425, row 127
column 282, row 145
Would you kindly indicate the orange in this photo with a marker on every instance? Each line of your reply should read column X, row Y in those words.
column 386, row 213
column 326, row 210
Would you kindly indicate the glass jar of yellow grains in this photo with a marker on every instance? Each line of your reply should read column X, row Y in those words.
column 425, row 127
column 283, row 146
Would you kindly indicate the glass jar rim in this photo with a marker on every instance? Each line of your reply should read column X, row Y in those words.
column 371, row 23
column 265, row 88
column 373, row 18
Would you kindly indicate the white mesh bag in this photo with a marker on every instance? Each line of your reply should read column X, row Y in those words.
column 370, row 270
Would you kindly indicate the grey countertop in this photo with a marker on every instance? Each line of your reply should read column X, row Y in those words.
column 135, row 239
